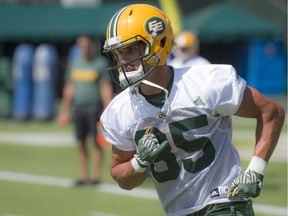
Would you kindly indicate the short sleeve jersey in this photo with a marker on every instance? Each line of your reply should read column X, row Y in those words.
column 86, row 76
column 200, row 157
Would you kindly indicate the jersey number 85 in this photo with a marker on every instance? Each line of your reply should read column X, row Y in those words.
column 189, row 146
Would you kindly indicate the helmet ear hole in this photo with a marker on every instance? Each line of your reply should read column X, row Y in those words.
column 163, row 42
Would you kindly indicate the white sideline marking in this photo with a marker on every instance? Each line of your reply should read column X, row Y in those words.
column 113, row 189
column 8, row 214
column 39, row 139
column 66, row 139
column 34, row 179
column 68, row 183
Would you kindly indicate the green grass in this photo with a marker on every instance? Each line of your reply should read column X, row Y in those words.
column 33, row 126
column 34, row 200
column 25, row 199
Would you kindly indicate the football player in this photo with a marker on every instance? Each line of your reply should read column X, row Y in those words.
column 174, row 125
column 187, row 51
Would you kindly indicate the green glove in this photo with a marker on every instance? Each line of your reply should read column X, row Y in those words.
column 248, row 184
column 148, row 149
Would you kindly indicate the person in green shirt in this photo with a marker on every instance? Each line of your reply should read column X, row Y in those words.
column 87, row 90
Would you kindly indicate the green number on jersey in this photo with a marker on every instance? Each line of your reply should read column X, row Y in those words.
column 189, row 146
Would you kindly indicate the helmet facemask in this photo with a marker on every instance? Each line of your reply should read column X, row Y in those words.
column 120, row 72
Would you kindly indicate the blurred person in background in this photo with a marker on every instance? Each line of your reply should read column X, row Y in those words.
column 86, row 92
column 187, row 51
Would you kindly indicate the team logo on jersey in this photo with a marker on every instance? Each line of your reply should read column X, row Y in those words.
column 219, row 191
column 155, row 24
column 214, row 193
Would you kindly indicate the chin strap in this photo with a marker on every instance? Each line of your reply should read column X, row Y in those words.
column 166, row 106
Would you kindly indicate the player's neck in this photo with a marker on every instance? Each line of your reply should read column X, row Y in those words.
column 161, row 76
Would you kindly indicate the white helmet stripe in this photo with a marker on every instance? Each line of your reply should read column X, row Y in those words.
column 113, row 25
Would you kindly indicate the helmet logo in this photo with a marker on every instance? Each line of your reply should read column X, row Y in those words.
column 155, row 24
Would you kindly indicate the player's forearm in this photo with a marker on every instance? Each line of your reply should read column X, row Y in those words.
column 269, row 125
column 126, row 177
column 68, row 92
column 65, row 106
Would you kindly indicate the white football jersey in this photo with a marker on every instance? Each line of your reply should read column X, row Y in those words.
column 200, row 161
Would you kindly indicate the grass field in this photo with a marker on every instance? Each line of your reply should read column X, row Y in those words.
column 34, row 180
